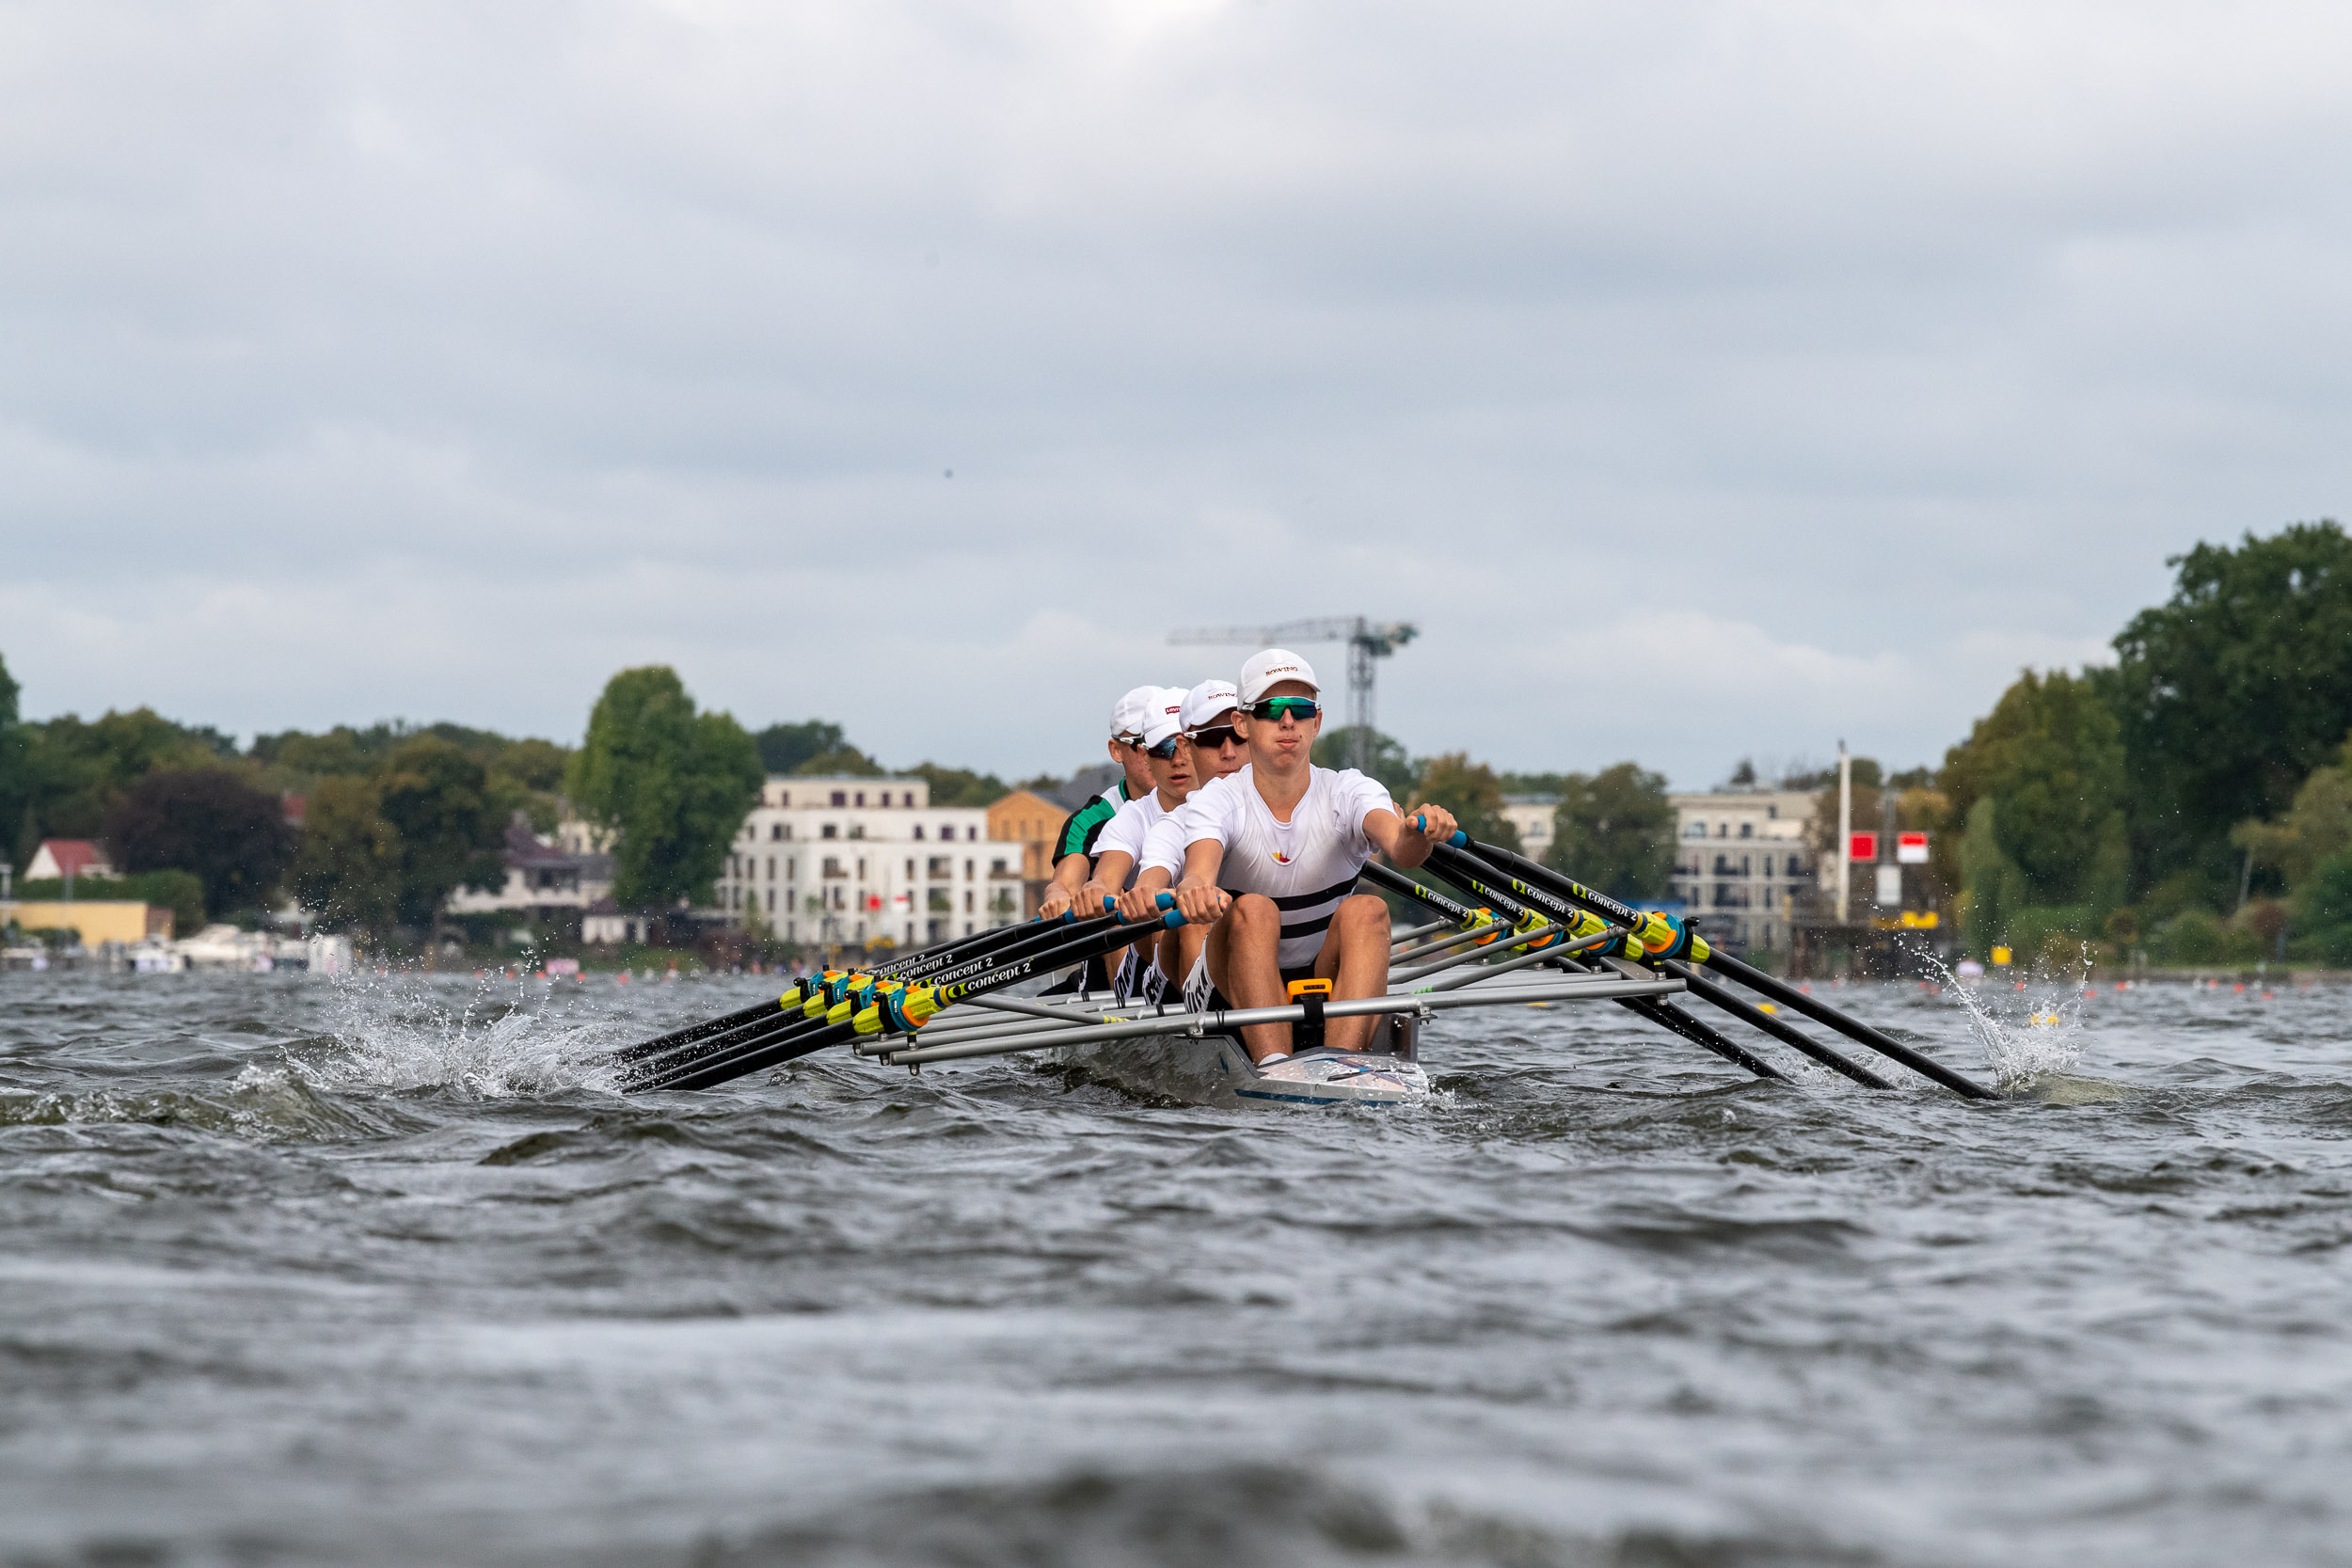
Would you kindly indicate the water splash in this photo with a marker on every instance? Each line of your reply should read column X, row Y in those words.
column 497, row 1040
column 2025, row 1035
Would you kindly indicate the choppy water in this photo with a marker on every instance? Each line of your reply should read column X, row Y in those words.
column 293, row 1273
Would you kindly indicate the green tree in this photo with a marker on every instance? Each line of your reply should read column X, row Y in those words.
column 783, row 748
column 78, row 771
column 2325, row 906
column 1614, row 830
column 847, row 762
column 348, row 868
column 2231, row 692
column 2317, row 825
column 448, row 830
column 1471, row 792
column 674, row 786
column 2050, row 757
column 961, row 786
column 1391, row 767
column 16, row 784
column 208, row 821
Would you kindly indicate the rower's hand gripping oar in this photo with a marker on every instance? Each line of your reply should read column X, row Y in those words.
column 1664, row 939
column 890, row 1007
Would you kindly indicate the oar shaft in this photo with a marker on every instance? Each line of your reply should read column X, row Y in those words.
column 1756, row 979
column 1796, row 1039
column 992, row 974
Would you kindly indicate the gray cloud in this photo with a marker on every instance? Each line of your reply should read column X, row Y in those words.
column 1704, row 379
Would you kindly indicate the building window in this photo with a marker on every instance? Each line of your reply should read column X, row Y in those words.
column 967, row 874
column 840, row 798
column 771, row 900
column 910, row 871
column 940, row 867
column 831, row 829
column 861, row 797
column 791, row 871
column 967, row 900
column 861, row 869
column 1747, row 830
column 918, row 833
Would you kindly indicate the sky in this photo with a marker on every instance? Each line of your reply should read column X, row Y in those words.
column 1703, row 380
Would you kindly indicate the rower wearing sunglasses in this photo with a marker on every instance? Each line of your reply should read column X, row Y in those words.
column 1119, row 847
column 1074, row 847
column 1286, row 840
column 1216, row 750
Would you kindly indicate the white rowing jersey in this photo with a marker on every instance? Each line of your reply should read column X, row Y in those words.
column 1307, row 865
column 1127, row 831
column 1164, row 845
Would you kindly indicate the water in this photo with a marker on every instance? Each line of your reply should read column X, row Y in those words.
column 294, row 1274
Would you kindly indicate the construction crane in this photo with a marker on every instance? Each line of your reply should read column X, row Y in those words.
column 1366, row 642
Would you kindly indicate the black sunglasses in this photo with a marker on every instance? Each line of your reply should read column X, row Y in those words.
column 1274, row 709
column 1217, row 740
column 1164, row 751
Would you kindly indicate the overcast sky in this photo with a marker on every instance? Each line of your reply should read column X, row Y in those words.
column 1704, row 379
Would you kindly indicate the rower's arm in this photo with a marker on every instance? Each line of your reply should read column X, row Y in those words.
column 1069, row 874
column 1110, row 874
column 1198, row 895
column 1405, row 845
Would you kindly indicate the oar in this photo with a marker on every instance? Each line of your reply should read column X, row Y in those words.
column 898, row 1009
column 1665, row 939
column 820, row 995
column 791, row 1000
column 1663, row 1014
column 1458, row 865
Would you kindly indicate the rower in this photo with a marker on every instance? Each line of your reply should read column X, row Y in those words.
column 1074, row 847
column 1120, row 847
column 1215, row 749
column 1288, row 839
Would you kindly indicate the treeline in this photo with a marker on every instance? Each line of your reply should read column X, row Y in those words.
column 2191, row 800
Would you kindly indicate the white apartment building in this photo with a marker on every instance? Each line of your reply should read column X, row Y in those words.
column 856, row 860
column 1531, row 815
column 1741, row 857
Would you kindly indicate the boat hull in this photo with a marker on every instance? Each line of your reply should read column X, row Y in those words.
column 1213, row 1068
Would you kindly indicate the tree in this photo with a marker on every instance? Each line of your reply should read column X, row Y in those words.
column 2050, row 758
column 349, row 865
column 208, row 821
column 78, row 771
column 1614, row 830
column 960, row 786
column 15, row 778
column 2231, row 692
column 674, row 785
column 848, row 761
column 783, row 748
column 2316, row 825
column 1394, row 771
column 449, row 831
column 1471, row 792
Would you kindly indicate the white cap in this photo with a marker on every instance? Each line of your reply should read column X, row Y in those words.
column 1127, row 714
column 1206, row 700
column 1271, row 668
column 1161, row 717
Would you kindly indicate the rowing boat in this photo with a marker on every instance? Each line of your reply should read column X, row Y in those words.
column 1533, row 935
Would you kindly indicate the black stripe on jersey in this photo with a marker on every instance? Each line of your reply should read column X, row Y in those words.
column 1306, row 929
column 1303, row 900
